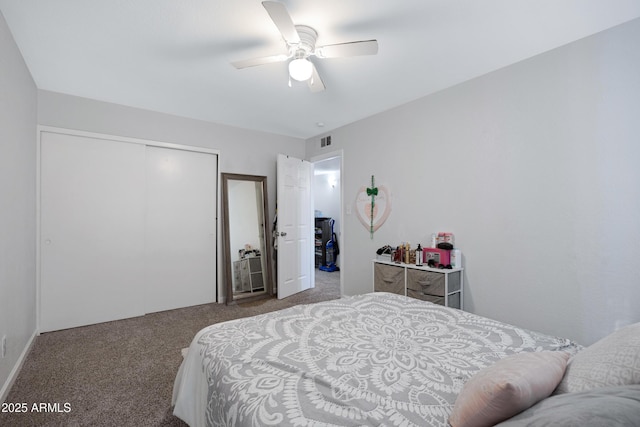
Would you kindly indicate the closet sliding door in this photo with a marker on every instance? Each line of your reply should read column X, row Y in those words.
column 180, row 230
column 92, row 211
column 125, row 229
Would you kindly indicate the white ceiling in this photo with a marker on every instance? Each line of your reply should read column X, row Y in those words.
column 174, row 56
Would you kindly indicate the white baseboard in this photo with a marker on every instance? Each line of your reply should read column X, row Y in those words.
column 4, row 392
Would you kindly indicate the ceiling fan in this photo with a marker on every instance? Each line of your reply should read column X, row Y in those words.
column 301, row 45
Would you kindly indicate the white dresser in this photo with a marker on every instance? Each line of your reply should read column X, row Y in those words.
column 248, row 275
column 440, row 286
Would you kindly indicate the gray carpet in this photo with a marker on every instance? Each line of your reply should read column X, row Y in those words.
column 121, row 373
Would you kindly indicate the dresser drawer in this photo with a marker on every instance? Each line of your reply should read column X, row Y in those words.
column 425, row 282
column 388, row 278
column 454, row 300
column 424, row 297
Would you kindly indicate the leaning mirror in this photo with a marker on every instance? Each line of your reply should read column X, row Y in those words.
column 246, row 237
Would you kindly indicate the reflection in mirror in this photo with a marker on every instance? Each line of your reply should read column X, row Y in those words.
column 247, row 260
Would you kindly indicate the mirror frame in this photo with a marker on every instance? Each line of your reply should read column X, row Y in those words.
column 266, row 251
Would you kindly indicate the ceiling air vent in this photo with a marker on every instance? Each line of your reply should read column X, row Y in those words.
column 325, row 141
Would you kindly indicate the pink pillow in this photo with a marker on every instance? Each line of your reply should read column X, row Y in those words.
column 508, row 387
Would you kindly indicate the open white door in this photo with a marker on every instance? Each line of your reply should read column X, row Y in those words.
column 295, row 232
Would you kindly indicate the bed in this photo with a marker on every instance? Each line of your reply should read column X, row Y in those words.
column 373, row 359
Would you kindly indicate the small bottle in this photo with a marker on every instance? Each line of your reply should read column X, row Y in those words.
column 456, row 258
column 419, row 255
column 406, row 253
column 434, row 239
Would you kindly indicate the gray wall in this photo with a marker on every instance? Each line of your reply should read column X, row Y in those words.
column 534, row 168
column 18, row 109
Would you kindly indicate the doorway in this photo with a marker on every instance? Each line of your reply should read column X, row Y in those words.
column 327, row 201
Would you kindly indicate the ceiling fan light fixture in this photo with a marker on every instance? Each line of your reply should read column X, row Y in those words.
column 300, row 69
column 300, row 41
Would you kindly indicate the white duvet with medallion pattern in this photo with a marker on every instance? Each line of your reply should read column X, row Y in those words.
column 377, row 359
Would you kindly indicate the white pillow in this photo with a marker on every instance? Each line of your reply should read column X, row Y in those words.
column 612, row 361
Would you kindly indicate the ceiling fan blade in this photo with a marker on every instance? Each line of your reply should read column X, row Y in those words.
column 279, row 15
column 315, row 82
column 259, row 61
column 341, row 50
